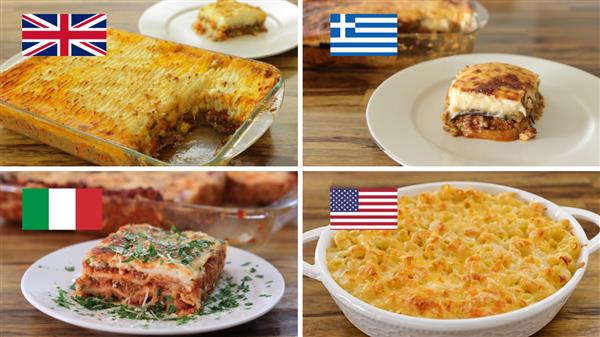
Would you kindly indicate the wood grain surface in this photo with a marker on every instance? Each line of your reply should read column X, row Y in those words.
column 335, row 100
column 580, row 317
column 278, row 147
column 19, row 249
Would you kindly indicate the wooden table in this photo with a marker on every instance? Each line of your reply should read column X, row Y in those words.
column 580, row 317
column 18, row 250
column 278, row 147
column 335, row 100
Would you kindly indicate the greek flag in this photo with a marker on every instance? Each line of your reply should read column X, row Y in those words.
column 364, row 34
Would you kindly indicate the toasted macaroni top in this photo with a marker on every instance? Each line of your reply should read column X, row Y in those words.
column 457, row 254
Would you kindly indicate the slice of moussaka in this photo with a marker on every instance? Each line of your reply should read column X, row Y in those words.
column 145, row 94
column 225, row 19
column 494, row 101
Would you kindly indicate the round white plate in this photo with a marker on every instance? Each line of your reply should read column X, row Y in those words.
column 41, row 281
column 404, row 112
column 172, row 20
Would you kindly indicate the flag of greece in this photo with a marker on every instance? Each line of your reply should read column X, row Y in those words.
column 364, row 34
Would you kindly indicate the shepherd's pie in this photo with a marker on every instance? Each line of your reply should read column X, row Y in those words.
column 145, row 94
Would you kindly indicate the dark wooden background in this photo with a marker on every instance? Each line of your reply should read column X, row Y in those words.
column 335, row 100
column 580, row 317
column 278, row 147
column 19, row 249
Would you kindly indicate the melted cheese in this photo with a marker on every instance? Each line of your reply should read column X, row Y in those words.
column 467, row 102
column 457, row 254
column 163, row 264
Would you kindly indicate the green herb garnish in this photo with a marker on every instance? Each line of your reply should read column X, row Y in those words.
column 70, row 268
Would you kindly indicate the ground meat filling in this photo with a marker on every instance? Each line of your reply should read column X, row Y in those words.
column 475, row 122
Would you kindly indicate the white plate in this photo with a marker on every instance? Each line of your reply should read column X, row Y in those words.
column 172, row 20
column 404, row 112
column 40, row 281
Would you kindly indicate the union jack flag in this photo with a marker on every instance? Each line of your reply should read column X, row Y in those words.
column 63, row 34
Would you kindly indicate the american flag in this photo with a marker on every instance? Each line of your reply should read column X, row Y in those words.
column 63, row 34
column 364, row 34
column 364, row 208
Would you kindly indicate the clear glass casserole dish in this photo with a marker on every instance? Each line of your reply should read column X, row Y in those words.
column 202, row 146
column 244, row 227
column 413, row 48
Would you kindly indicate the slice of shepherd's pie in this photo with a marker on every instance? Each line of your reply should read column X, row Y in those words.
column 225, row 19
column 144, row 265
column 496, row 101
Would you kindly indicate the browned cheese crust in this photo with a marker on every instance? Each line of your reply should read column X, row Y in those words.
column 501, row 82
column 412, row 15
column 258, row 188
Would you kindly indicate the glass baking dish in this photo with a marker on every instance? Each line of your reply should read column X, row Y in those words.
column 202, row 146
column 413, row 48
column 244, row 227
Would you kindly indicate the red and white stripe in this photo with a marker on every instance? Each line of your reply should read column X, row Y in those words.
column 377, row 209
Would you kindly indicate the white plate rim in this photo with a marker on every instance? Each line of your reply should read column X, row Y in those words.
column 195, row 4
column 184, row 330
column 402, row 160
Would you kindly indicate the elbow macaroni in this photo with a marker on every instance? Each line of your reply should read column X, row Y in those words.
column 457, row 254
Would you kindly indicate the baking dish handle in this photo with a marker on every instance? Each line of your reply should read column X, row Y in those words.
column 308, row 269
column 589, row 216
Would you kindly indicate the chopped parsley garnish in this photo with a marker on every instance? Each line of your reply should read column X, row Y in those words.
column 70, row 268
column 62, row 299
column 253, row 270
column 227, row 295
column 173, row 247
column 246, row 264
column 264, row 295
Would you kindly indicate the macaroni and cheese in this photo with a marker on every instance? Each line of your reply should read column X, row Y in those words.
column 457, row 254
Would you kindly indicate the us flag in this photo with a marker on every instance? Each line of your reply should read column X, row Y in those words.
column 364, row 208
column 63, row 34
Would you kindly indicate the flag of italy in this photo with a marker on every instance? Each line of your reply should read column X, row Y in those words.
column 62, row 209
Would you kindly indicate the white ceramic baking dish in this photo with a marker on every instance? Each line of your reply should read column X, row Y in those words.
column 519, row 323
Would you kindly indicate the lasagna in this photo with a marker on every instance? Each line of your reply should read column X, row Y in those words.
column 141, row 265
column 145, row 94
column 494, row 101
column 139, row 197
column 457, row 253
column 225, row 19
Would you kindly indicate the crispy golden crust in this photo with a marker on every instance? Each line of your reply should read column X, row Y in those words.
column 457, row 254
column 144, row 95
column 413, row 16
column 178, row 269
column 258, row 188
column 500, row 80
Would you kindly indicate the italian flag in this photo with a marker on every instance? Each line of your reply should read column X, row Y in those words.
column 62, row 209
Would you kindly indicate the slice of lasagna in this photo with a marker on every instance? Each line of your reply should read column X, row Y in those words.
column 145, row 265
column 494, row 101
column 225, row 19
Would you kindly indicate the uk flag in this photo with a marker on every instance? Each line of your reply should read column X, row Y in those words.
column 63, row 34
